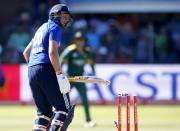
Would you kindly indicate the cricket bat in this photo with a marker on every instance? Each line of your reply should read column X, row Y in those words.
column 89, row 79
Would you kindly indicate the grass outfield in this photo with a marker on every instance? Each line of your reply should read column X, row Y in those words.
column 151, row 118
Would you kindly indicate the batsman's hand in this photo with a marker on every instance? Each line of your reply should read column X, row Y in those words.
column 64, row 84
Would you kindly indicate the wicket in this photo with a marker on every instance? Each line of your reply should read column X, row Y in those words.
column 128, row 104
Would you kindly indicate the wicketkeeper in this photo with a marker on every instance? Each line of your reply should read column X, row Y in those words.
column 75, row 57
column 48, row 85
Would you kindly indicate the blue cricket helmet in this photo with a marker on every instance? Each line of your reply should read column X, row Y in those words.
column 57, row 9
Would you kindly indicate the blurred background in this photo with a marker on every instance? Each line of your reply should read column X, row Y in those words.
column 118, row 31
column 135, row 45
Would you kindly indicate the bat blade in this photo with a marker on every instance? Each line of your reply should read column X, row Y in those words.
column 89, row 79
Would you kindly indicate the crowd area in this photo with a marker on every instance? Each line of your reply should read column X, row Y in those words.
column 113, row 38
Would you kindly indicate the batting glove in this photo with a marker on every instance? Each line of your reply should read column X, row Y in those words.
column 64, row 84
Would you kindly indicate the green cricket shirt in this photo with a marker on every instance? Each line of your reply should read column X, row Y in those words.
column 75, row 60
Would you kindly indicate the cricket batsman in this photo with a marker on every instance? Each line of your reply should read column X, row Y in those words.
column 48, row 85
column 75, row 57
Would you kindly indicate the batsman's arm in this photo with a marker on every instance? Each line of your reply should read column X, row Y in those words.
column 64, row 60
column 63, row 81
column 27, row 51
column 54, row 56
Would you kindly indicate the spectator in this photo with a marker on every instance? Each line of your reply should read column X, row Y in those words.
column 100, row 25
column 161, row 45
column 93, row 39
column 80, row 24
column 174, row 31
column 144, row 48
column 109, row 49
column 18, row 40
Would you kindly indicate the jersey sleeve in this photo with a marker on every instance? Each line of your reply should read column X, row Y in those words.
column 55, row 35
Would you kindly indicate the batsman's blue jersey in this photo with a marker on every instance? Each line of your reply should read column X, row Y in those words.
column 40, row 42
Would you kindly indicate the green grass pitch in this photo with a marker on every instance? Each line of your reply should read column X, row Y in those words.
column 151, row 118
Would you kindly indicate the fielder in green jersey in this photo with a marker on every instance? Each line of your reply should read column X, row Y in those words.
column 75, row 57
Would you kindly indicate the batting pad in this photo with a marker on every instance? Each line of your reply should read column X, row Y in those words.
column 69, row 118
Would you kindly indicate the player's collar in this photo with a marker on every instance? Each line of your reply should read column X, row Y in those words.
column 54, row 21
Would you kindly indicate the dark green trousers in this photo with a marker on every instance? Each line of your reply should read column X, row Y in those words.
column 81, row 88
